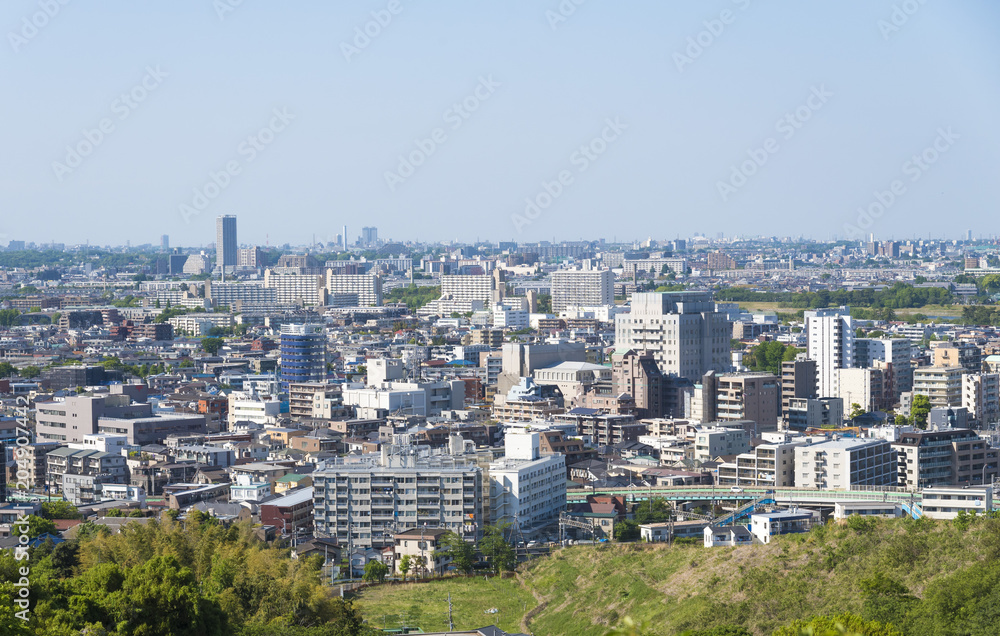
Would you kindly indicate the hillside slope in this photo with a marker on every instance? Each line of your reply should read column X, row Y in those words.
column 926, row 577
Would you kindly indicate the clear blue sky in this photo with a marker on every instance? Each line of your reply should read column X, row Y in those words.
column 888, row 91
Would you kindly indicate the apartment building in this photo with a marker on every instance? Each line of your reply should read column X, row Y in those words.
column 353, row 290
column 233, row 295
column 891, row 351
column 68, row 419
column 86, row 462
column 806, row 413
column 798, row 380
column 527, row 488
column 865, row 387
column 743, row 396
column 947, row 503
column 981, row 397
column 638, row 375
column 845, row 463
column 364, row 503
column 830, row 342
column 304, row 290
column 582, row 288
column 943, row 385
column 966, row 355
column 950, row 457
column 711, row 442
column 768, row 465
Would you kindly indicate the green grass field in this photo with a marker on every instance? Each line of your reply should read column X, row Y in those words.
column 588, row 590
column 930, row 310
column 426, row 604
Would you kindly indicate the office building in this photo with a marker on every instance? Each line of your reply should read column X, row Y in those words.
column 303, row 353
column 250, row 406
column 362, row 504
column 830, row 342
column 845, row 463
column 582, row 288
column 70, row 419
column 164, row 243
column 521, row 360
column 225, row 242
column 950, row 457
column 353, row 290
column 369, row 237
column 682, row 330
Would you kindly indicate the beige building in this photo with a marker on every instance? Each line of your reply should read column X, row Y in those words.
column 943, row 385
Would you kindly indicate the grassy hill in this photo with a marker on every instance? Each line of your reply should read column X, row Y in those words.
column 926, row 577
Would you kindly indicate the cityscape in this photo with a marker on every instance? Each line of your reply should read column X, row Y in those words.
column 514, row 319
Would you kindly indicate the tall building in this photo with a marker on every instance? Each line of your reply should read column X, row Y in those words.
column 526, row 488
column 943, row 385
column 353, row 290
column 864, row 387
column 948, row 457
column 225, row 242
column 304, row 290
column 638, row 375
column 682, row 330
column 734, row 397
column 303, row 353
column 582, row 288
column 369, row 237
column 981, row 396
column 362, row 504
column 830, row 337
column 894, row 351
column 252, row 257
column 164, row 243
column 798, row 380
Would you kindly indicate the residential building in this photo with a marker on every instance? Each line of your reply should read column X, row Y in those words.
column 423, row 546
column 303, row 290
column 727, row 536
column 638, row 375
column 865, row 387
column 154, row 428
column 250, row 406
column 71, row 418
column 582, row 288
column 981, row 397
column 943, row 385
column 845, row 463
column 806, row 413
column 742, row 396
column 72, row 461
column 234, row 295
column 830, row 338
column 670, row 530
column 768, row 465
column 303, row 353
column 892, row 351
column 292, row 513
column 951, row 457
column 366, row 502
column 798, row 380
column 711, row 442
column 682, row 330
column 353, row 290
column 527, row 488
column 250, row 257
column 958, row 354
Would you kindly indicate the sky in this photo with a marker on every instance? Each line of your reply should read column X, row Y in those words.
column 497, row 120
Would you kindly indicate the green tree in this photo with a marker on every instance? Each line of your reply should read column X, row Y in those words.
column 838, row 625
column 404, row 565
column 856, row 411
column 39, row 525
column 654, row 510
column 8, row 317
column 30, row 372
column 186, row 363
column 375, row 572
column 919, row 410
column 901, row 420
column 7, row 369
column 461, row 553
column 59, row 510
column 497, row 550
column 627, row 530
column 211, row 345
column 545, row 303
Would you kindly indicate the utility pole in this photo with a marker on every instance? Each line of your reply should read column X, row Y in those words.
column 451, row 625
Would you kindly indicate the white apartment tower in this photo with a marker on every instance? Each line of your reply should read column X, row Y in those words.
column 582, row 288
column 830, row 337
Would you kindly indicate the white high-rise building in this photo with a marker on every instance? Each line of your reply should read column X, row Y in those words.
column 307, row 290
column 526, row 488
column 683, row 331
column 582, row 288
column 830, row 337
column 353, row 290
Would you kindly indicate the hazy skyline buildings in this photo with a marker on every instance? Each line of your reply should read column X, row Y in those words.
column 225, row 242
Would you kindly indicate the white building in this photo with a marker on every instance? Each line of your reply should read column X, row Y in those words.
column 245, row 488
column 845, row 463
column 711, row 442
column 353, row 290
column 981, row 396
column 830, row 336
column 509, row 317
column 253, row 408
column 200, row 324
column 305, row 290
column 946, row 503
column 683, row 331
column 582, row 288
column 526, row 488
column 376, row 402
column 768, row 465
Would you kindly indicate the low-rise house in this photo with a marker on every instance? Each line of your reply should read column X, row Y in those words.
column 888, row 509
column 668, row 531
column 726, row 536
column 421, row 543
column 765, row 525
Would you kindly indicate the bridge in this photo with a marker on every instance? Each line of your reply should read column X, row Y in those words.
column 780, row 496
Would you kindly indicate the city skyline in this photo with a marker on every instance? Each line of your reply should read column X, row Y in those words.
column 663, row 120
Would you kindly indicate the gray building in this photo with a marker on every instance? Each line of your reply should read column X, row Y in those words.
column 64, row 462
column 68, row 419
column 225, row 242
column 362, row 504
